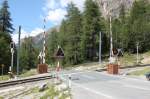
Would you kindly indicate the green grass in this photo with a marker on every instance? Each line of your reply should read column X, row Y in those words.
column 51, row 93
column 24, row 74
column 4, row 78
column 140, row 72
column 1, row 97
column 128, row 60
column 147, row 53
column 32, row 90
column 29, row 73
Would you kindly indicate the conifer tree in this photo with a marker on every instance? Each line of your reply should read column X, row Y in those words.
column 52, row 45
column 73, row 36
column 139, row 25
column 5, row 19
column 91, row 29
column 28, row 55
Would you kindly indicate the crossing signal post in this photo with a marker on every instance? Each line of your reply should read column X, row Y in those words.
column 42, row 66
column 12, row 56
column 59, row 55
column 112, row 67
column 12, row 44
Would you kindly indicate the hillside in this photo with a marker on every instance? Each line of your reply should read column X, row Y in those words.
column 38, row 39
column 114, row 6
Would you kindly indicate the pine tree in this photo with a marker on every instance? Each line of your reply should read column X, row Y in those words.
column 28, row 54
column 120, row 29
column 139, row 25
column 5, row 54
column 5, row 20
column 91, row 29
column 73, row 40
column 52, row 45
column 62, row 35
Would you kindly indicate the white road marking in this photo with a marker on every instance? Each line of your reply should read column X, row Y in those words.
column 88, row 89
column 130, row 85
column 93, row 91
column 137, row 87
column 141, row 80
column 116, row 76
column 11, row 89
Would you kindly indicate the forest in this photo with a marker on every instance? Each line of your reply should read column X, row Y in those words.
column 78, row 35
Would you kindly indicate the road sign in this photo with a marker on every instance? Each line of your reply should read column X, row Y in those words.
column 59, row 53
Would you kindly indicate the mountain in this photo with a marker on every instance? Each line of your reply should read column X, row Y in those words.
column 113, row 6
column 38, row 40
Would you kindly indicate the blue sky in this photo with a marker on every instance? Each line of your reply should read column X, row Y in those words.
column 26, row 13
column 30, row 14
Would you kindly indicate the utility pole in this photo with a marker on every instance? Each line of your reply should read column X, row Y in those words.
column 100, row 48
column 12, row 56
column 100, row 41
column 110, row 26
column 137, row 57
column 18, row 52
column 111, row 39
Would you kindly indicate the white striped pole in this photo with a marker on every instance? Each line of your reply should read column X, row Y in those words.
column 44, row 41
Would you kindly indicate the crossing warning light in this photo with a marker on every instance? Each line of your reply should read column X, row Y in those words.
column 12, row 45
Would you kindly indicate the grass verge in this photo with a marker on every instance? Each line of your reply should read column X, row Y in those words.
column 4, row 78
column 51, row 93
column 29, row 73
column 24, row 74
column 140, row 72
column 1, row 97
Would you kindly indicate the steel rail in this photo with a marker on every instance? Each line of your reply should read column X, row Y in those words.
column 21, row 81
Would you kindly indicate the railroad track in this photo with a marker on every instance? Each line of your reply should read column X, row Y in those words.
column 21, row 81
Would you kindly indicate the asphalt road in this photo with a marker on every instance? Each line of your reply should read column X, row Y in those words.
column 96, row 85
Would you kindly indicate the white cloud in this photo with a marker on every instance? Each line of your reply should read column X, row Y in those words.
column 15, row 38
column 52, row 4
column 56, row 9
column 36, row 31
column 24, row 34
column 64, row 3
column 56, row 16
